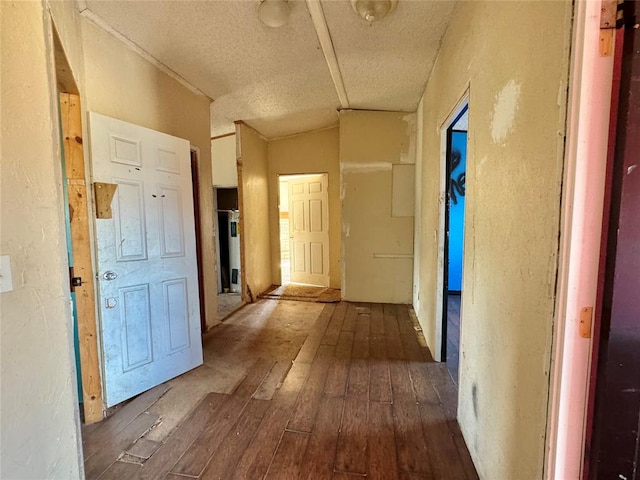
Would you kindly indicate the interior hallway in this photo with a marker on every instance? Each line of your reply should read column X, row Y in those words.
column 294, row 390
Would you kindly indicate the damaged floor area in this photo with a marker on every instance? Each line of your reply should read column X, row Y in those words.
column 293, row 390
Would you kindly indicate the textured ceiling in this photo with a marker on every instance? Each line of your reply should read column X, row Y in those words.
column 276, row 79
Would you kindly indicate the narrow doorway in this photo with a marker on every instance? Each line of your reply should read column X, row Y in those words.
column 229, row 283
column 303, row 207
column 455, row 188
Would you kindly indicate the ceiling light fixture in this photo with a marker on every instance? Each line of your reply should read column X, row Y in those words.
column 373, row 10
column 274, row 13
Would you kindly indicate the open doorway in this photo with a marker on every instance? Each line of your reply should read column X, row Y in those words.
column 454, row 218
column 229, row 283
column 304, row 229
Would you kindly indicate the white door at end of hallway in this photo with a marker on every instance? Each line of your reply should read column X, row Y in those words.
column 309, row 229
column 146, row 258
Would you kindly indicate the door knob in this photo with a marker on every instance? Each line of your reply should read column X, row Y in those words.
column 109, row 275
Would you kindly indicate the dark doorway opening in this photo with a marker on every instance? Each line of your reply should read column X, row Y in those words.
column 455, row 189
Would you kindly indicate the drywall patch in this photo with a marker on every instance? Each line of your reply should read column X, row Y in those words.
column 504, row 111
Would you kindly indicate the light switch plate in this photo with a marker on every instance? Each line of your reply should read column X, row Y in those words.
column 6, row 281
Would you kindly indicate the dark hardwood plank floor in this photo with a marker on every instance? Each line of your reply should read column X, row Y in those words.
column 453, row 335
column 359, row 398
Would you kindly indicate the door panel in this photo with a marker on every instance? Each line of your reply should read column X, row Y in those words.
column 309, row 221
column 130, row 221
column 147, row 266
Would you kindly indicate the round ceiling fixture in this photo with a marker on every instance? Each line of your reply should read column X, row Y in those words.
column 373, row 10
column 274, row 13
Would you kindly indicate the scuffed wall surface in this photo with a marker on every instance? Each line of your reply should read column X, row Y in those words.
column 39, row 417
column 123, row 85
column 254, row 208
column 376, row 248
column 313, row 152
column 514, row 57
column 223, row 157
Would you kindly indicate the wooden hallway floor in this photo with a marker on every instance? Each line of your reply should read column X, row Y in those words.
column 355, row 394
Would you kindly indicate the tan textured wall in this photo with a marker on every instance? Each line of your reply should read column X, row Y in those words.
column 223, row 158
column 376, row 248
column 40, row 433
column 514, row 57
column 313, row 152
column 123, row 85
column 254, row 208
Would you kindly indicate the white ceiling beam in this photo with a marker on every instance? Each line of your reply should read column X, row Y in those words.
column 320, row 24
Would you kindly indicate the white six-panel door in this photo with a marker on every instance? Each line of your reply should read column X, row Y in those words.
column 146, row 255
column 309, row 229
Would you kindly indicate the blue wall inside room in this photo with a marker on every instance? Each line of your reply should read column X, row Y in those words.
column 456, row 210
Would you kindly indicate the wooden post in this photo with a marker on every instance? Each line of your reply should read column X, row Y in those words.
column 71, row 114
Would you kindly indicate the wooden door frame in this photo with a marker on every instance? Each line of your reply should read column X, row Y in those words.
column 194, row 151
column 441, row 282
column 278, row 175
column 587, row 136
column 80, row 206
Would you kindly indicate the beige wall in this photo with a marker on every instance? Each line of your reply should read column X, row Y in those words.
column 223, row 157
column 40, row 433
column 121, row 84
column 254, row 209
column 313, row 152
column 377, row 248
column 514, row 57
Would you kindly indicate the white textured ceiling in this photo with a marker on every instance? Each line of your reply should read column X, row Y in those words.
column 276, row 79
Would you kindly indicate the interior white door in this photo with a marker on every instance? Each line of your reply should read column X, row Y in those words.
column 146, row 254
column 309, row 229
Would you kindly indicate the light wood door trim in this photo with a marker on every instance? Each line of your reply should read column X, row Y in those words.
column 71, row 114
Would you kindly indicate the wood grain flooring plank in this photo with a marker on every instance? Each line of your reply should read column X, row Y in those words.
column 379, row 376
column 347, row 476
column 107, row 455
column 361, row 337
column 416, row 476
column 422, row 386
column 377, row 319
column 195, row 459
column 410, row 443
column 401, row 381
column 444, row 387
column 338, row 373
column 255, row 461
column 143, row 448
column 351, row 452
column 349, row 324
column 404, row 320
column 181, row 438
column 320, row 455
column 288, row 458
column 225, row 458
column 358, row 384
column 383, row 463
column 332, row 333
column 310, row 347
column 389, row 309
column 304, row 413
column 120, row 471
column 446, row 462
column 277, row 374
column 463, row 451
column 98, row 435
column 395, row 350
